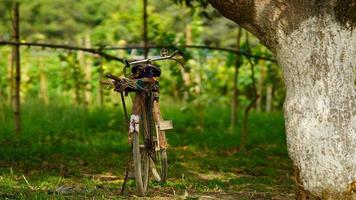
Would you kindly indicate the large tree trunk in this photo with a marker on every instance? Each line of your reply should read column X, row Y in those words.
column 320, row 107
column 315, row 44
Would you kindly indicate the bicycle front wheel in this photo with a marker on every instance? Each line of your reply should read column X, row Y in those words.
column 141, row 163
column 141, row 139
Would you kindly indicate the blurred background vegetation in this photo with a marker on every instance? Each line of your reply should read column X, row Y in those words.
column 73, row 126
column 74, row 76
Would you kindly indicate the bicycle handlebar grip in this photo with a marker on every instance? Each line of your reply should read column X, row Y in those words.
column 112, row 77
column 127, row 63
column 181, row 53
column 105, row 82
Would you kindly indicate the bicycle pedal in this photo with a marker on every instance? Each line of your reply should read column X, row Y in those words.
column 166, row 125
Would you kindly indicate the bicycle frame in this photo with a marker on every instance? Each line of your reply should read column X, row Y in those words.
column 161, row 125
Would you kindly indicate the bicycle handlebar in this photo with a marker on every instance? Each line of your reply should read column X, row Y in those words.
column 112, row 77
column 149, row 60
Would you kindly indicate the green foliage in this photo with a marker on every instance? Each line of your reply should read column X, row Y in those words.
column 209, row 73
column 192, row 3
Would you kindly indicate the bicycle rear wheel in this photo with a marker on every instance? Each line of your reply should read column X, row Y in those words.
column 160, row 166
column 161, row 161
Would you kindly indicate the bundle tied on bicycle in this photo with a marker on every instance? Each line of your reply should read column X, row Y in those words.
column 146, row 127
column 143, row 77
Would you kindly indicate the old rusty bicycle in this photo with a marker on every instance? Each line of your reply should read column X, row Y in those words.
column 146, row 129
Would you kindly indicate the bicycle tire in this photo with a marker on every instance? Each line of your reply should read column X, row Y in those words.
column 161, row 161
column 159, row 166
column 164, row 165
column 140, row 154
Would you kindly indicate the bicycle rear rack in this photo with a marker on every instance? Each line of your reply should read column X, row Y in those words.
column 165, row 125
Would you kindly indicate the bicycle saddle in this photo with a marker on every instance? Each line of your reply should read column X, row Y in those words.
column 145, row 71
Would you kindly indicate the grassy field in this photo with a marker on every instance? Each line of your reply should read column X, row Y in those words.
column 76, row 153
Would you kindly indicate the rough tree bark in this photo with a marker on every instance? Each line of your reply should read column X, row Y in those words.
column 314, row 42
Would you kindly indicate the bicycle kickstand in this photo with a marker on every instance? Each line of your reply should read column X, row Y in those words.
column 126, row 174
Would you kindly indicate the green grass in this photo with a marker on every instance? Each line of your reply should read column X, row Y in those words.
column 76, row 147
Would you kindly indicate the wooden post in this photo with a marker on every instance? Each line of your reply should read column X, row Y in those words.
column 186, row 75
column 244, row 133
column 234, row 90
column 145, row 38
column 16, row 62
column 11, row 79
column 2, row 104
column 260, row 87
column 43, row 82
column 269, row 98
column 101, row 87
column 87, row 72
column 2, row 109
